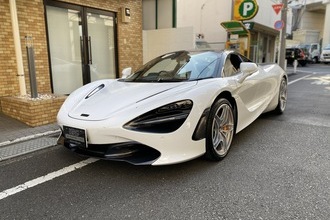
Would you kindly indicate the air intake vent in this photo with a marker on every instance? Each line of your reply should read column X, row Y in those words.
column 95, row 91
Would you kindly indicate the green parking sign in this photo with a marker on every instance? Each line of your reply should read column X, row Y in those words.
column 245, row 9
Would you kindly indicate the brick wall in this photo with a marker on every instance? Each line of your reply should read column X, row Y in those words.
column 32, row 112
column 8, row 80
column 31, row 22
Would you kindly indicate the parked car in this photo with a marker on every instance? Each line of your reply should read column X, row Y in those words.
column 325, row 55
column 177, row 107
column 312, row 52
column 292, row 54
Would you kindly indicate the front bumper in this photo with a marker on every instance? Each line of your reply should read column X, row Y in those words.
column 325, row 60
column 132, row 152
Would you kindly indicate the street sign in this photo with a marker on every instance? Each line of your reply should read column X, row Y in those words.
column 279, row 24
column 245, row 9
column 277, row 8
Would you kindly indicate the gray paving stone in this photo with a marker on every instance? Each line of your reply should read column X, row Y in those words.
column 17, row 138
column 25, row 147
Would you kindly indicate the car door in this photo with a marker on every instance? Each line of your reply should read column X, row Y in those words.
column 251, row 93
column 246, row 90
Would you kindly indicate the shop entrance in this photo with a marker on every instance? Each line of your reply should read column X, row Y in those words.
column 82, row 45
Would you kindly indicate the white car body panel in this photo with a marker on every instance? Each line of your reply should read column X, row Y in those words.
column 120, row 102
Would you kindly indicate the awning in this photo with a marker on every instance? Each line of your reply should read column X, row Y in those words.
column 235, row 27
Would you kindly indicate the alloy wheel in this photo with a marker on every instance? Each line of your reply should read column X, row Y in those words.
column 222, row 129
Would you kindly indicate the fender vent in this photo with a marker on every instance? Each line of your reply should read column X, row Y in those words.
column 84, row 115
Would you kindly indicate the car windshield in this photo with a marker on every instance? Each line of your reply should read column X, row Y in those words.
column 177, row 67
column 304, row 46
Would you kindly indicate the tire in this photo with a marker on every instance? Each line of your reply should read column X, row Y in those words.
column 303, row 62
column 282, row 97
column 220, row 129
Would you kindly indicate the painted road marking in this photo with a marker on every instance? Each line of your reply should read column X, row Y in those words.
column 26, row 138
column 45, row 178
column 296, row 80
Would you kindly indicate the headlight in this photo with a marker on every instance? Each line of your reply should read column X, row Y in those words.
column 164, row 119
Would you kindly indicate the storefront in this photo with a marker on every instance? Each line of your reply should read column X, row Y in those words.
column 255, row 41
column 263, row 43
column 83, row 48
column 74, row 42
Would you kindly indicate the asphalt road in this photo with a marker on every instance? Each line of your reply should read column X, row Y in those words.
column 278, row 168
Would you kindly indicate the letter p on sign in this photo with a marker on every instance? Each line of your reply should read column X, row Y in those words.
column 247, row 7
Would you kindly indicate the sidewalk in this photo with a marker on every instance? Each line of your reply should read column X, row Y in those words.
column 17, row 138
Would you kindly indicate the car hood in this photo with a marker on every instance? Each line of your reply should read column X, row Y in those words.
column 113, row 96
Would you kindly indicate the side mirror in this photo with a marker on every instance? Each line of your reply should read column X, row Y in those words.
column 247, row 69
column 126, row 72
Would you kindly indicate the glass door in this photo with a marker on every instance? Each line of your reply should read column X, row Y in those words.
column 64, row 32
column 101, row 44
column 82, row 46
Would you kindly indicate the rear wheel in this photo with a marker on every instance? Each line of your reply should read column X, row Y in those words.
column 282, row 97
column 219, row 130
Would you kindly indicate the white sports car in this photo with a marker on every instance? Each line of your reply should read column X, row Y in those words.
column 177, row 107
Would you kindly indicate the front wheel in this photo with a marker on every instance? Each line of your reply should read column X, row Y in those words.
column 220, row 130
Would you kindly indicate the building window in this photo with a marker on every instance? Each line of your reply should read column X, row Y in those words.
column 159, row 14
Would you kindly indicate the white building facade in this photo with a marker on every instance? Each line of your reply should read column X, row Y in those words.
column 202, row 18
column 310, row 21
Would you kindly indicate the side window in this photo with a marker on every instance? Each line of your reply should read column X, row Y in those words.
column 314, row 47
column 236, row 61
column 231, row 66
column 228, row 67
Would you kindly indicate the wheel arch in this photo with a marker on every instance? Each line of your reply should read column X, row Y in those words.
column 200, row 130
column 227, row 95
column 212, row 151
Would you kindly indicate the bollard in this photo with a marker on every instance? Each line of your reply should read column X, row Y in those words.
column 31, row 65
column 285, row 64
column 295, row 64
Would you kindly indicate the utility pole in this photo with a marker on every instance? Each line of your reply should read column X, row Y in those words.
column 283, row 34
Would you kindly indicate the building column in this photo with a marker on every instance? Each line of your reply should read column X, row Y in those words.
column 18, row 50
column 326, row 28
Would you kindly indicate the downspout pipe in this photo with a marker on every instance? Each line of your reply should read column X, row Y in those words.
column 18, row 49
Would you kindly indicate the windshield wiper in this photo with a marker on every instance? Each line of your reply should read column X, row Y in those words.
column 196, row 79
column 171, row 80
